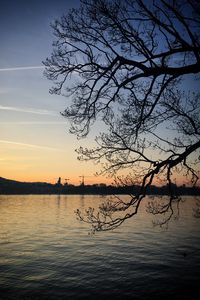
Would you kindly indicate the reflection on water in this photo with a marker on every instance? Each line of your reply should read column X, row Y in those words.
column 45, row 253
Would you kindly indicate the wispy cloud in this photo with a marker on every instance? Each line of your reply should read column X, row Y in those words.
column 30, row 145
column 28, row 110
column 21, row 68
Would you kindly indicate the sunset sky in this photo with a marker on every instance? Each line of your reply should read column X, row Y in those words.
column 35, row 144
column 34, row 141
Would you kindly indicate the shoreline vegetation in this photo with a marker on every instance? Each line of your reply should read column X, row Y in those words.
column 12, row 187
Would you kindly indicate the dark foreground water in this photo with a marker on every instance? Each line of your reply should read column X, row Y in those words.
column 45, row 253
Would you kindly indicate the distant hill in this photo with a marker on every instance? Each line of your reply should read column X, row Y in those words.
column 8, row 186
column 15, row 182
column 7, row 181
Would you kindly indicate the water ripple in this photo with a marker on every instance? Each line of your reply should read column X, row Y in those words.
column 45, row 253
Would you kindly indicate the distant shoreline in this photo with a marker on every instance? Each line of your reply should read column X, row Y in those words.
column 11, row 187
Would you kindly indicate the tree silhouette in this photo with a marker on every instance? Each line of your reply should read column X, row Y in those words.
column 133, row 65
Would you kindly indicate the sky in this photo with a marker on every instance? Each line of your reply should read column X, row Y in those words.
column 35, row 144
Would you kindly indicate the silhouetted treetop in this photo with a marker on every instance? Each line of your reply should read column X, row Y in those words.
column 114, row 45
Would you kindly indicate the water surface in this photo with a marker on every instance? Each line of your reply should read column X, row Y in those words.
column 45, row 253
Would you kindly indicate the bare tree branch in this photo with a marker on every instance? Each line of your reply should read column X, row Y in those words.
column 128, row 64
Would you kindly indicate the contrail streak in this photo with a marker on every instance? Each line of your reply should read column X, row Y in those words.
column 28, row 110
column 21, row 68
column 29, row 145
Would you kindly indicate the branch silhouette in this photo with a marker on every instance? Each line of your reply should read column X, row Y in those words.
column 129, row 63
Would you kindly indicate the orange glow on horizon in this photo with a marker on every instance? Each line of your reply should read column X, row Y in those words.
column 77, row 180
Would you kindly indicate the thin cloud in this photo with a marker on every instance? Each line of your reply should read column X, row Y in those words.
column 29, row 145
column 29, row 110
column 21, row 68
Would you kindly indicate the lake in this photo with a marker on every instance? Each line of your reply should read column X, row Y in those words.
column 46, row 253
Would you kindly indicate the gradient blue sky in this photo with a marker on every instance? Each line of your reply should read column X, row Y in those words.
column 34, row 141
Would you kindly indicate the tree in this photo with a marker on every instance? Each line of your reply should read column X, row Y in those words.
column 129, row 64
